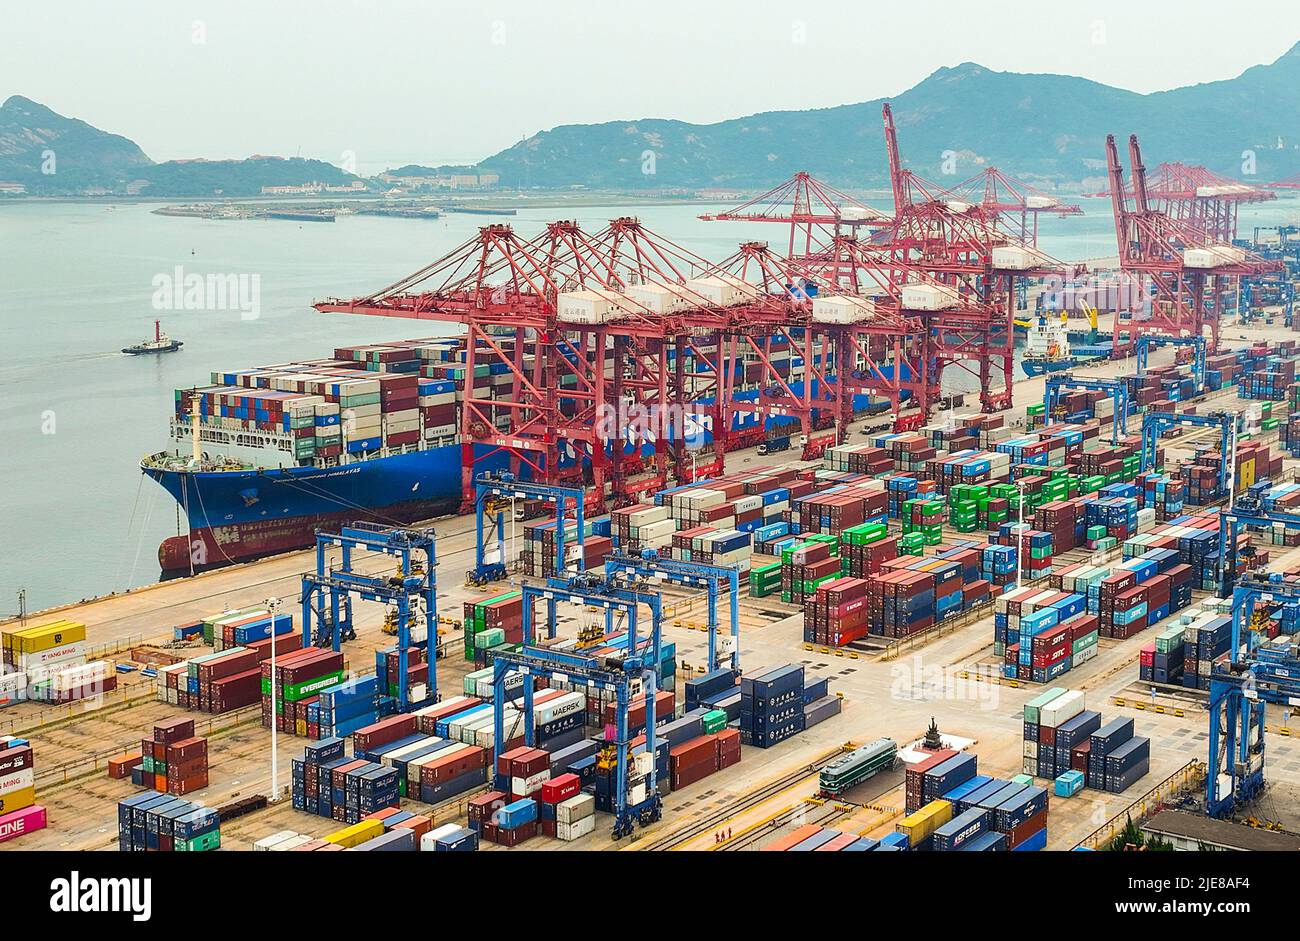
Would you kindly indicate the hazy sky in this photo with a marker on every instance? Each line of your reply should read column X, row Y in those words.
column 430, row 82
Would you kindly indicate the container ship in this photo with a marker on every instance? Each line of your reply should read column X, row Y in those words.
column 265, row 456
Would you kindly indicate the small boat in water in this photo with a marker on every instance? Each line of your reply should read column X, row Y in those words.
column 161, row 343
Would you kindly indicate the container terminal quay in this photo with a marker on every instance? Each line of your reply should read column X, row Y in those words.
column 835, row 604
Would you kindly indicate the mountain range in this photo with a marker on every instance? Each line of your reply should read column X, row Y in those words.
column 1048, row 130
column 49, row 154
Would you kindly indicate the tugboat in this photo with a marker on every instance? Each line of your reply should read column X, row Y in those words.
column 161, row 343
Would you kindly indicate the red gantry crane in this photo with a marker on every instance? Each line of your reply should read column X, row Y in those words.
column 1178, row 259
column 815, row 212
column 960, row 244
column 1017, row 204
column 620, row 344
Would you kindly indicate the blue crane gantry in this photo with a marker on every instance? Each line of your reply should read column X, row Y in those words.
column 504, row 486
column 1117, row 389
column 649, row 564
column 1148, row 340
column 1239, row 698
column 635, row 798
column 1154, row 424
column 415, row 580
column 1246, row 510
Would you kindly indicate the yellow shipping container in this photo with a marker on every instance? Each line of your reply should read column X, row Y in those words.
column 356, row 834
column 17, row 800
column 1246, row 471
column 45, row 637
column 919, row 826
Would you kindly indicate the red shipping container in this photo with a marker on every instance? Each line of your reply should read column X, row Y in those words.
column 561, row 788
column 382, row 732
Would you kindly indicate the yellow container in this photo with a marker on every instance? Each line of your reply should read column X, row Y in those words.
column 919, row 826
column 17, row 800
column 356, row 834
column 1246, row 470
column 45, row 637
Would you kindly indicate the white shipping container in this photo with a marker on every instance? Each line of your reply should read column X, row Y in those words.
column 558, row 707
column 1017, row 257
column 590, row 306
column 292, row 843
column 660, row 298
column 16, row 781
column 842, row 308
column 429, row 842
column 722, row 290
column 12, row 684
column 929, row 296
column 1031, row 749
column 576, row 830
column 66, row 655
column 266, row 842
column 1062, row 708
column 651, row 514
column 529, row 785
column 575, row 808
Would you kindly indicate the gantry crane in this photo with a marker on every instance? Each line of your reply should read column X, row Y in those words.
column 1148, row 340
column 1116, row 389
column 649, row 565
column 814, row 211
column 1175, row 261
column 1017, row 204
column 1154, row 424
column 492, row 494
column 631, row 670
column 1239, row 696
column 413, row 590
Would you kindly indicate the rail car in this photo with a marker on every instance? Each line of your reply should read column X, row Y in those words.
column 852, row 769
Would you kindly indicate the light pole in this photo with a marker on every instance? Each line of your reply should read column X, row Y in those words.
column 273, row 605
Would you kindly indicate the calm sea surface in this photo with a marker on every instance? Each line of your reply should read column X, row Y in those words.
column 76, row 516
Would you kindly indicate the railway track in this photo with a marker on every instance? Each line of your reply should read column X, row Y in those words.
column 713, row 820
column 822, row 814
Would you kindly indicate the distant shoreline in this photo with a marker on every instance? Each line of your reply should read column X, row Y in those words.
column 549, row 200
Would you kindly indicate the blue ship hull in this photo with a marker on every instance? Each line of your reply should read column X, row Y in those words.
column 238, row 515
column 1038, row 367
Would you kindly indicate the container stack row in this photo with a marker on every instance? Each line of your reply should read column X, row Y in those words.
column 19, row 812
